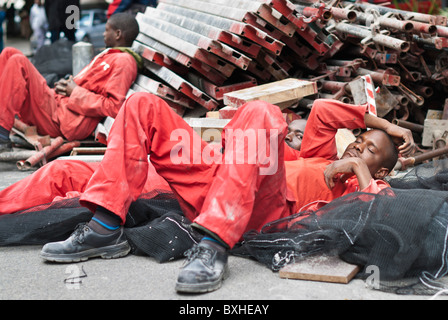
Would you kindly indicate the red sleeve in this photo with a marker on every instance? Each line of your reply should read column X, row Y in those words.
column 375, row 186
column 326, row 117
column 102, row 90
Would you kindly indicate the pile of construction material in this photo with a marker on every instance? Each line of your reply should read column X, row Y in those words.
column 199, row 51
column 196, row 51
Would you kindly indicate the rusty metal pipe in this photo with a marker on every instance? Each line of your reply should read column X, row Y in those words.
column 40, row 155
column 423, row 90
column 402, row 100
column 442, row 31
column 412, row 96
column 402, row 25
column 334, row 86
column 421, row 27
column 439, row 141
column 322, row 14
column 339, row 97
column 414, row 127
column 381, row 76
column 404, row 163
column 363, row 32
column 66, row 147
column 344, row 14
column 16, row 155
column 407, row 15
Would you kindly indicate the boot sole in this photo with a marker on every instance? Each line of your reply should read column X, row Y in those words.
column 203, row 287
column 110, row 252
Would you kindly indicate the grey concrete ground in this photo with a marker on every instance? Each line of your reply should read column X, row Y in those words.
column 25, row 276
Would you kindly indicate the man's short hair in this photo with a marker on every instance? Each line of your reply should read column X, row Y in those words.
column 391, row 161
column 128, row 25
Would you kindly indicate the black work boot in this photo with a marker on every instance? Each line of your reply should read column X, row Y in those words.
column 85, row 243
column 205, row 269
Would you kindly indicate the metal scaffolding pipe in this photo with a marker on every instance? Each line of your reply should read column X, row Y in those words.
column 365, row 33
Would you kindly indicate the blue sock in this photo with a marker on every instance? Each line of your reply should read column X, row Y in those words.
column 105, row 220
column 213, row 240
column 105, row 225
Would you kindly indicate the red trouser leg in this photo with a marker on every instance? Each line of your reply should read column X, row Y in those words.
column 24, row 92
column 246, row 196
column 146, row 125
column 60, row 178
column 55, row 179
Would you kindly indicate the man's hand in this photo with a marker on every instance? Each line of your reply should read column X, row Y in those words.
column 344, row 169
column 65, row 87
column 403, row 138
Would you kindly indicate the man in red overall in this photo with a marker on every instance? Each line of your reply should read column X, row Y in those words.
column 225, row 194
column 75, row 107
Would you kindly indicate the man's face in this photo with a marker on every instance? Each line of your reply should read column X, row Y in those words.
column 109, row 36
column 371, row 146
column 295, row 134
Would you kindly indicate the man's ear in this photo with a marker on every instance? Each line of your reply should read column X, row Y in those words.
column 381, row 174
column 118, row 34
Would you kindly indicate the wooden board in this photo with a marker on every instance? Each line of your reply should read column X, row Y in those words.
column 275, row 92
column 208, row 128
column 321, row 268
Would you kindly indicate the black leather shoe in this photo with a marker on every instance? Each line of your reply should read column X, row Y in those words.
column 205, row 269
column 85, row 243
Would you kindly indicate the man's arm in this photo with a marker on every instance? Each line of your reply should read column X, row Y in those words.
column 326, row 117
column 102, row 90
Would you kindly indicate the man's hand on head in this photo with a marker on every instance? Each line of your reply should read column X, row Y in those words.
column 403, row 138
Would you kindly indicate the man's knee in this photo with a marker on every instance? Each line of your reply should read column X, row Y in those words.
column 261, row 108
column 17, row 60
column 261, row 113
column 9, row 52
column 144, row 99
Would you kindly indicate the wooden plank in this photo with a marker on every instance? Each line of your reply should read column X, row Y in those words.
column 275, row 92
column 208, row 128
column 321, row 268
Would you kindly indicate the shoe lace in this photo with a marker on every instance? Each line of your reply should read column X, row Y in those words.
column 199, row 252
column 78, row 234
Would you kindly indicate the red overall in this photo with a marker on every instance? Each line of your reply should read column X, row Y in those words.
column 102, row 89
